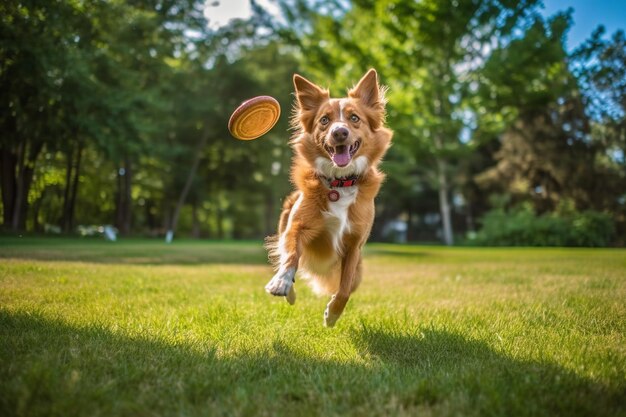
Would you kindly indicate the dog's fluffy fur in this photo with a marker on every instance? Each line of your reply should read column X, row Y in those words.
column 334, row 138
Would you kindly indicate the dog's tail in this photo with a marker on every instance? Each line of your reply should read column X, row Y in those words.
column 272, row 242
column 273, row 254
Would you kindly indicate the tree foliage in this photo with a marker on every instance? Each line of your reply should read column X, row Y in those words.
column 116, row 112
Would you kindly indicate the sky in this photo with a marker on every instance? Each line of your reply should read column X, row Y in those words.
column 221, row 12
column 588, row 14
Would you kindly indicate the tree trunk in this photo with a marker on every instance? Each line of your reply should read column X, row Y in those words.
column 18, row 168
column 444, row 203
column 69, row 167
column 167, row 217
column 151, row 222
column 127, row 208
column 19, row 191
column 192, row 173
column 195, row 225
column 74, row 190
column 35, row 212
column 28, row 174
column 124, row 198
column 119, row 197
column 8, row 184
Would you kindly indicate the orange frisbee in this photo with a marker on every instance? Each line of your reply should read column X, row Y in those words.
column 254, row 118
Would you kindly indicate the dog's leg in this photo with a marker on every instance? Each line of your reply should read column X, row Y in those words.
column 285, row 251
column 282, row 282
column 351, row 272
column 295, row 233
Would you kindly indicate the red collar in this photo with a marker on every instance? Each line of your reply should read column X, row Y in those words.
column 340, row 182
column 333, row 195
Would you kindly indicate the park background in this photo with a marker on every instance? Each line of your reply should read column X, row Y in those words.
column 115, row 113
column 510, row 130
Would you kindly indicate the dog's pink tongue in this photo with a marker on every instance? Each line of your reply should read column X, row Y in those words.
column 342, row 156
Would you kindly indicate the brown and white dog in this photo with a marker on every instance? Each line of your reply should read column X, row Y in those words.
column 324, row 224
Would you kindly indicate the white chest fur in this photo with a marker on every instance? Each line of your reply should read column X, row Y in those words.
column 337, row 219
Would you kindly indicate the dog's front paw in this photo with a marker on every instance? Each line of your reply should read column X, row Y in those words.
column 282, row 284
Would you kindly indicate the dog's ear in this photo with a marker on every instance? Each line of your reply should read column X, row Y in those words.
column 309, row 95
column 308, row 99
column 372, row 95
column 367, row 90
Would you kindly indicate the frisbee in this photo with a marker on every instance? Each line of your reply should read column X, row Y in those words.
column 254, row 118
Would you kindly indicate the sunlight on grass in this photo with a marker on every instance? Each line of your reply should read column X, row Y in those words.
column 93, row 328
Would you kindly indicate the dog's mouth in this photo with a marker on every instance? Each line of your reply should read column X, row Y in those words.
column 342, row 154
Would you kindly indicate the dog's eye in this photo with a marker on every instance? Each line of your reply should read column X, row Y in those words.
column 324, row 120
column 354, row 118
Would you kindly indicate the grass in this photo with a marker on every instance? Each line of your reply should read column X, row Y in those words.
column 140, row 328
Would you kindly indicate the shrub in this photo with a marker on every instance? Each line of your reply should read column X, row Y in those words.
column 522, row 227
column 591, row 228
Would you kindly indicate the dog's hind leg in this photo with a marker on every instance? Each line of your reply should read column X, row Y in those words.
column 351, row 273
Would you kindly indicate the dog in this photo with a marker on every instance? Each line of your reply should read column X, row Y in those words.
column 338, row 145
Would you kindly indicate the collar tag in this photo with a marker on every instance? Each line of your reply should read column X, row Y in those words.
column 333, row 195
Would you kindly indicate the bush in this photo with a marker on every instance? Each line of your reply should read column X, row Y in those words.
column 522, row 227
column 591, row 228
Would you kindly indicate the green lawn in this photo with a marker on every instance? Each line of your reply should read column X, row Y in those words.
column 140, row 328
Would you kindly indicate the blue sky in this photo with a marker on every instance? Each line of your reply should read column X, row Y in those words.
column 588, row 14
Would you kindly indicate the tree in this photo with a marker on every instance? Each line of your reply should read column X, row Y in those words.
column 87, row 75
column 35, row 52
column 600, row 66
column 245, row 66
column 426, row 52
column 543, row 153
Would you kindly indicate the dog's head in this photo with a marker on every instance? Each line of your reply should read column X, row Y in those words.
column 338, row 132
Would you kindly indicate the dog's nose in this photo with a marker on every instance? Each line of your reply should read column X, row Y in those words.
column 340, row 134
